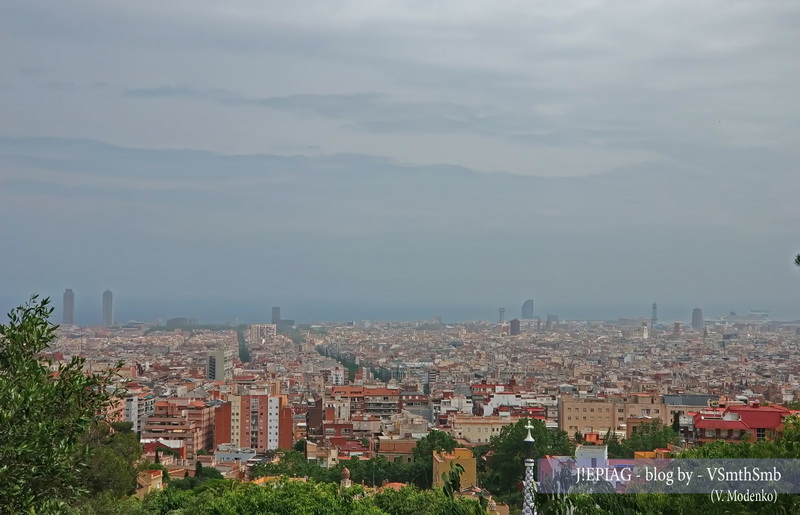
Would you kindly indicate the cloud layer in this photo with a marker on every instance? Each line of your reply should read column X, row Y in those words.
column 591, row 153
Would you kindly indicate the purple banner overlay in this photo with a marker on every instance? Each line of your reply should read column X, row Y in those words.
column 739, row 477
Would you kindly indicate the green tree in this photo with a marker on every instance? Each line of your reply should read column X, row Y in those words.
column 647, row 437
column 411, row 501
column 45, row 408
column 244, row 350
column 435, row 441
column 452, row 479
column 615, row 449
column 122, row 427
column 506, row 461
column 112, row 464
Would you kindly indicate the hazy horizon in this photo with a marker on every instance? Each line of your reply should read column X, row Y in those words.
column 220, row 312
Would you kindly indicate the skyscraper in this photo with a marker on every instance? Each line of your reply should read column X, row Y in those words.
column 108, row 309
column 527, row 309
column 515, row 327
column 69, row 307
column 276, row 315
column 697, row 319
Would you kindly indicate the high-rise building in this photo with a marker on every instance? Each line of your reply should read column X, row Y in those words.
column 69, row 307
column 654, row 318
column 258, row 420
column 276, row 315
column 261, row 333
column 697, row 319
column 515, row 327
column 527, row 309
column 108, row 309
column 220, row 365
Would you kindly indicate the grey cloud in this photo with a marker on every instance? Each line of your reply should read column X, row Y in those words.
column 690, row 109
column 370, row 112
column 161, row 92
column 366, row 225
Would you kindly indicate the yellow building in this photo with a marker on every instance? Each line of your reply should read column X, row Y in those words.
column 600, row 414
column 462, row 456
column 148, row 481
column 478, row 429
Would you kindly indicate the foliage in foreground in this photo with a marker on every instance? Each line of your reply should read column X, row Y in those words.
column 45, row 411
column 286, row 497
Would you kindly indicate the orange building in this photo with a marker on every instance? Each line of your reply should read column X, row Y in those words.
column 260, row 421
column 182, row 419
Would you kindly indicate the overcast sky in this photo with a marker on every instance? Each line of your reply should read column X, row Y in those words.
column 400, row 159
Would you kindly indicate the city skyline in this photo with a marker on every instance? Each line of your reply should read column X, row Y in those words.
column 310, row 312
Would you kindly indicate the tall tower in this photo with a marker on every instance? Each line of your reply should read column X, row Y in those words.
column 276, row 315
column 69, row 307
column 108, row 309
column 654, row 318
column 697, row 319
column 527, row 309
column 502, row 314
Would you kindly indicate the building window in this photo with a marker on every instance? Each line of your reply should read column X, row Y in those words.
column 761, row 433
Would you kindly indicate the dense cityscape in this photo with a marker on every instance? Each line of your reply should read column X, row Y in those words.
column 355, row 257
column 236, row 399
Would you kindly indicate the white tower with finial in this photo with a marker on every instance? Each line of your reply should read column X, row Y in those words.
column 529, row 505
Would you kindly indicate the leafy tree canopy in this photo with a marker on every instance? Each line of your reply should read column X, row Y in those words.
column 505, row 461
column 45, row 409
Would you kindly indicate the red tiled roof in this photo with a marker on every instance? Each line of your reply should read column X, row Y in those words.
column 769, row 417
column 718, row 423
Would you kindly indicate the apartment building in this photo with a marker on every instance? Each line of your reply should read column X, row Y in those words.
column 259, row 421
column 378, row 402
column 184, row 420
column 139, row 406
column 219, row 365
column 477, row 429
column 599, row 414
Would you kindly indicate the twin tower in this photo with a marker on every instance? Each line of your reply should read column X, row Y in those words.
column 69, row 308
